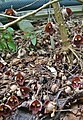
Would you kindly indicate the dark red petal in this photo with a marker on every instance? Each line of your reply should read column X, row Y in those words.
column 20, row 82
column 75, row 79
column 69, row 11
column 35, row 106
column 25, row 91
column 78, row 40
column 13, row 101
column 49, row 28
column 9, row 73
column 9, row 12
column 5, row 110
column 20, row 79
column 76, row 82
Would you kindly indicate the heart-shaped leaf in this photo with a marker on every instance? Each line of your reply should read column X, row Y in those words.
column 26, row 26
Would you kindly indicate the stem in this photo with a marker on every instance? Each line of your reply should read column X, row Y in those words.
column 62, row 26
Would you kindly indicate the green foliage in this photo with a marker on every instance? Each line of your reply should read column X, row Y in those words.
column 7, row 43
column 26, row 26
column 2, row 45
column 34, row 41
column 32, row 37
column 10, row 30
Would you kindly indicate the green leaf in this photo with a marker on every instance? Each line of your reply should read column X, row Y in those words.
column 10, row 30
column 34, row 41
column 27, row 35
column 7, row 42
column 12, row 46
column 26, row 26
column 7, row 36
column 3, row 44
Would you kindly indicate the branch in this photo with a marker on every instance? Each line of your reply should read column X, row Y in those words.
column 28, row 5
column 8, row 16
column 26, row 15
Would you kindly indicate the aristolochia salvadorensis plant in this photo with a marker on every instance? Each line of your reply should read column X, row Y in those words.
column 6, row 40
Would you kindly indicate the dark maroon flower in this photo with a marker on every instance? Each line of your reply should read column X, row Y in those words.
column 50, row 28
column 9, row 73
column 13, row 101
column 67, row 12
column 20, row 79
column 76, row 82
column 25, row 91
column 78, row 40
column 4, row 110
column 10, row 12
column 35, row 106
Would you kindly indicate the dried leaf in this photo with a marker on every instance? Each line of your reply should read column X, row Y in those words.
column 70, row 117
column 53, row 70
